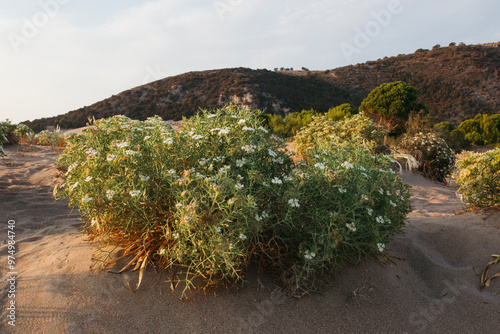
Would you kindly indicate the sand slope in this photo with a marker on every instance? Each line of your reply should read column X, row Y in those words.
column 435, row 290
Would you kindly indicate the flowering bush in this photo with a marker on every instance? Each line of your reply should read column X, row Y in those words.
column 344, row 204
column 479, row 179
column 207, row 200
column 50, row 138
column 355, row 128
column 435, row 157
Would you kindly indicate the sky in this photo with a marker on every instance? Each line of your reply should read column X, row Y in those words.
column 61, row 55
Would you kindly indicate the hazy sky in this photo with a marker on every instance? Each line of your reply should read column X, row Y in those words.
column 60, row 55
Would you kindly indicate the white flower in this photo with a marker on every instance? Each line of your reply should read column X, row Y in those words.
column 240, row 162
column 91, row 151
column 122, row 144
column 240, row 177
column 199, row 175
column 241, row 121
column 272, row 153
column 179, row 205
column 319, row 165
column 370, row 211
column 392, row 203
column 249, row 148
column 87, row 199
column 276, row 180
column 130, row 152
column 125, row 126
column 110, row 194
column 246, row 128
column 197, row 137
column 218, row 229
column 171, row 172
column 351, row 226
column 187, row 219
column 212, row 115
column 239, row 186
column 73, row 186
column 380, row 219
column 381, row 247
column 230, row 201
column 279, row 160
column 347, row 165
column 261, row 128
column 144, row 178
column 242, row 236
column 89, row 178
column 342, row 190
column 162, row 252
column 134, row 193
column 168, row 141
column 265, row 184
column 287, row 178
column 364, row 197
column 224, row 131
column 110, row 157
column 294, row 202
column 147, row 137
column 309, row 255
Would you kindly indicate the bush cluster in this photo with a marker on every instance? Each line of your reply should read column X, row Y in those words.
column 479, row 179
column 436, row 159
column 481, row 130
column 358, row 128
column 12, row 134
column 50, row 138
column 208, row 200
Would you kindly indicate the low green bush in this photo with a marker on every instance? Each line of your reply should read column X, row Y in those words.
column 479, row 179
column 50, row 138
column 436, row 159
column 222, row 192
column 358, row 128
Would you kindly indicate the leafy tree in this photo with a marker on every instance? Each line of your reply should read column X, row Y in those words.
column 392, row 103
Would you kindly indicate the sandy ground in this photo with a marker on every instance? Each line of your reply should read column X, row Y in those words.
column 434, row 288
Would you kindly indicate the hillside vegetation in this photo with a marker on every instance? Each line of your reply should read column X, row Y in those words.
column 455, row 83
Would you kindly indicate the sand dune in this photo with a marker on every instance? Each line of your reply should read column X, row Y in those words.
column 433, row 290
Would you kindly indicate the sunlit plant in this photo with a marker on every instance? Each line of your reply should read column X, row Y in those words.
column 207, row 200
column 358, row 128
column 479, row 179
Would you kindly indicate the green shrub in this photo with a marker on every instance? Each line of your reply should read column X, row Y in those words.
column 22, row 132
column 339, row 112
column 358, row 128
column 222, row 192
column 50, row 138
column 479, row 179
column 7, row 135
column 435, row 157
column 292, row 123
column 456, row 141
column 474, row 137
column 348, row 205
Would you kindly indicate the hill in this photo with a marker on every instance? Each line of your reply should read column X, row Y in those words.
column 455, row 83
